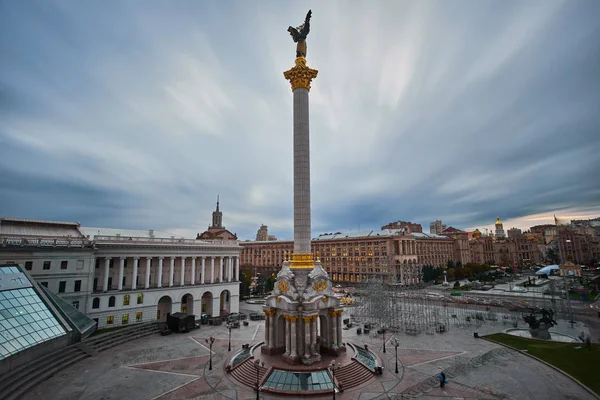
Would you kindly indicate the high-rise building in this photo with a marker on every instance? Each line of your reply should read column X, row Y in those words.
column 436, row 227
column 262, row 235
column 514, row 232
column 412, row 227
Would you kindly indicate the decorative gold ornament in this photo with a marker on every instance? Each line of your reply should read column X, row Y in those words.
column 270, row 313
column 324, row 299
column 319, row 286
column 291, row 318
column 318, row 257
column 300, row 76
column 302, row 261
column 283, row 286
column 278, row 299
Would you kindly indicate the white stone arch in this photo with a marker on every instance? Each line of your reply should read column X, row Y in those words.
column 207, row 299
column 225, row 301
column 164, row 308
column 187, row 304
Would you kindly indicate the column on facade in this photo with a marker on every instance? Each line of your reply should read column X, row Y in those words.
column 272, row 328
column 212, row 269
column 171, row 271
column 160, row 272
column 237, row 269
column 202, row 270
column 306, row 322
column 267, row 332
column 148, row 264
column 230, row 270
column 339, row 327
column 313, row 333
column 333, row 324
column 136, row 261
column 193, row 271
column 293, row 340
column 106, row 273
column 288, row 336
column 182, row 273
column 121, row 272
column 221, row 269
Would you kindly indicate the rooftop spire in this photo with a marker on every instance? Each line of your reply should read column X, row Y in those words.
column 217, row 203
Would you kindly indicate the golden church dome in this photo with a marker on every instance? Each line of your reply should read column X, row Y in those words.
column 498, row 222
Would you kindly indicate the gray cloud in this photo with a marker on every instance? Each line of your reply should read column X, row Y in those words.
column 136, row 117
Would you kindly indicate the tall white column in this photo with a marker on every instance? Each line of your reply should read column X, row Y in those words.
column 220, row 269
column 193, row 270
column 267, row 326
column 171, row 271
column 237, row 269
column 288, row 336
column 148, row 264
column 294, row 341
column 334, row 326
column 160, row 271
column 272, row 328
column 106, row 274
column 313, row 335
column 229, row 268
column 339, row 328
column 136, row 261
column 202, row 270
column 212, row 270
column 182, row 274
column 306, row 322
column 121, row 272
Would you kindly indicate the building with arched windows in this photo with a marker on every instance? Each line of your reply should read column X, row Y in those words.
column 120, row 277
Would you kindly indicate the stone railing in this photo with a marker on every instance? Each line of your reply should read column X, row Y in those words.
column 154, row 240
column 43, row 242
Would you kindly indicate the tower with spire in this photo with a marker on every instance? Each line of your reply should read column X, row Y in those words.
column 499, row 229
column 216, row 231
column 217, row 217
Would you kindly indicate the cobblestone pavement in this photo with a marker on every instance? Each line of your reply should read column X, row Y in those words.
column 176, row 367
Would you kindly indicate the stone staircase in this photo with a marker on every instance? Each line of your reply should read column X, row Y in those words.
column 352, row 375
column 246, row 373
column 20, row 380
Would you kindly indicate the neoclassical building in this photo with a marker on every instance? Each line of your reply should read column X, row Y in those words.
column 120, row 277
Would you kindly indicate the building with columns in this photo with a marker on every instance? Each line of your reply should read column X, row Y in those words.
column 120, row 277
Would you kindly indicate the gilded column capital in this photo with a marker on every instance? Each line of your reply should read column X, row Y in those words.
column 291, row 318
column 302, row 261
column 301, row 75
column 270, row 313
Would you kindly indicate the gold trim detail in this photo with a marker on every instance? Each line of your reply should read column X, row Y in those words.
column 300, row 76
column 319, row 286
column 324, row 299
column 283, row 286
column 270, row 313
column 302, row 261
column 291, row 318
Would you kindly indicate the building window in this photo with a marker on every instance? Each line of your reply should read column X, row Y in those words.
column 125, row 319
column 96, row 302
column 77, row 287
column 47, row 264
column 44, row 284
column 75, row 304
column 109, row 320
column 62, row 285
column 126, row 300
column 138, row 316
column 140, row 298
column 79, row 264
column 64, row 264
column 28, row 265
column 111, row 301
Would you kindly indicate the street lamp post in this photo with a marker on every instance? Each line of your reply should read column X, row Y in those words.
column 383, row 334
column 564, row 271
column 257, row 364
column 229, row 327
column 332, row 367
column 396, row 343
column 210, row 342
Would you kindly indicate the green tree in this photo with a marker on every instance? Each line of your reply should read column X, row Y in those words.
column 431, row 273
column 450, row 264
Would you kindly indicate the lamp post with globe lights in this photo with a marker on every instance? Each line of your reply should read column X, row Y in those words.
column 210, row 342
column 257, row 365
column 229, row 328
column 396, row 343
column 333, row 367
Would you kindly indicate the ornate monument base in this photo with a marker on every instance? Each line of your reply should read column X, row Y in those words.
column 303, row 317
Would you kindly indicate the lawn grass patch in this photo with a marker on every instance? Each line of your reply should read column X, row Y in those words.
column 573, row 358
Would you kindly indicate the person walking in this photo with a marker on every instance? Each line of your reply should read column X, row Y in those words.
column 442, row 378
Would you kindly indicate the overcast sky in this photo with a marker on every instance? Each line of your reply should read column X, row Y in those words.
column 136, row 114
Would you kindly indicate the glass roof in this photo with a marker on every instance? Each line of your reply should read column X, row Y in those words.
column 25, row 320
column 78, row 320
column 366, row 358
column 298, row 381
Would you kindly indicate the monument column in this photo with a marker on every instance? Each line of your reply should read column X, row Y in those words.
column 267, row 327
column 339, row 327
column 313, row 333
column 288, row 335
column 334, row 328
column 306, row 321
column 300, row 78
